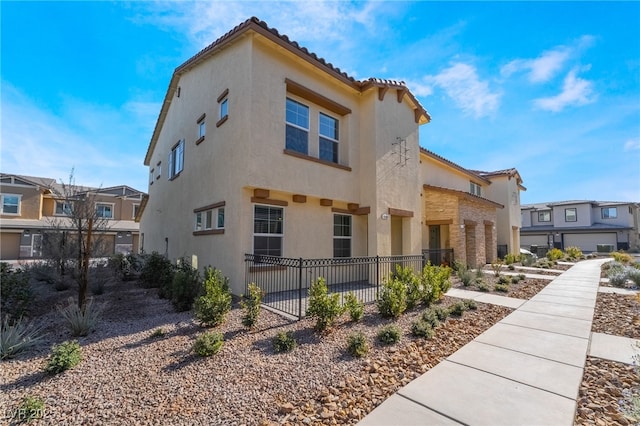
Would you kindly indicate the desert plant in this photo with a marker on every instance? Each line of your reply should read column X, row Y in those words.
column 157, row 333
column 503, row 288
column 412, row 284
column 324, row 307
column 185, row 286
column 64, row 356
column 435, row 282
column 470, row 304
column 496, row 267
column 15, row 292
column 354, row 307
column 389, row 334
column 504, row 279
column 441, row 312
column 284, row 342
column 251, row 305
column 357, row 344
column 521, row 277
column 31, row 408
column 634, row 275
column 555, row 254
column 618, row 279
column 17, row 336
column 483, row 287
column 208, row 344
column 80, row 321
column 510, row 258
column 392, row 299
column 465, row 274
column 212, row 307
column 573, row 252
column 511, row 267
column 421, row 328
column 156, row 271
column 622, row 257
column 431, row 316
column 515, row 279
column 458, row 309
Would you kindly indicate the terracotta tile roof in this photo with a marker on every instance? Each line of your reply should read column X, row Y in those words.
column 261, row 27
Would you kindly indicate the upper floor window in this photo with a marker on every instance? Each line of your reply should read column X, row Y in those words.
column 136, row 208
column 297, row 118
column 11, row 203
column 341, row 235
column 159, row 170
column 544, row 216
column 223, row 107
column 176, row 160
column 209, row 219
column 570, row 215
column 202, row 128
column 328, row 129
column 63, row 208
column 268, row 230
column 475, row 189
column 609, row 212
column 104, row 211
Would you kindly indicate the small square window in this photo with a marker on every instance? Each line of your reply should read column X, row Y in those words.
column 609, row 213
column 63, row 208
column 570, row 215
column 544, row 216
column 104, row 211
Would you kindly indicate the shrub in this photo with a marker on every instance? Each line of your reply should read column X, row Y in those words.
column 15, row 292
column 17, row 337
column 435, row 282
column 470, row 304
column 80, row 321
column 504, row 288
column 251, row 305
column 185, row 286
column 634, row 275
column 212, row 307
column 357, row 344
column 464, row 273
column 421, row 328
column 157, row 334
column 31, row 408
column 208, row 344
column 458, row 309
column 526, row 260
column 510, row 258
column 324, row 307
column 432, row 317
column 412, row 284
column 511, row 267
column 483, row 287
column 618, row 279
column 157, row 271
column 64, row 356
column 496, row 267
column 573, row 252
column 521, row 277
column 389, row 334
column 392, row 300
column 515, row 279
column 555, row 254
column 354, row 307
column 622, row 257
column 441, row 312
column 284, row 342
column 503, row 279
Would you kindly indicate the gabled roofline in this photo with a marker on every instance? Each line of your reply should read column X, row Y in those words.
column 260, row 27
column 465, row 195
column 443, row 160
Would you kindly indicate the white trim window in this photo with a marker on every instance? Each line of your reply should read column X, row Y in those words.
column 209, row 219
column 268, row 230
column 342, row 232
column 544, row 216
column 11, row 203
column 297, row 132
column 328, row 128
column 136, row 208
column 609, row 213
column 475, row 189
column 63, row 208
column 176, row 160
column 104, row 210
column 570, row 215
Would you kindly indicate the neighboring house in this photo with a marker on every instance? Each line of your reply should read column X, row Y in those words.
column 590, row 225
column 30, row 206
column 263, row 148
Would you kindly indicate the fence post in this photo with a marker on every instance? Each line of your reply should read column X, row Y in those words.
column 300, row 289
column 377, row 275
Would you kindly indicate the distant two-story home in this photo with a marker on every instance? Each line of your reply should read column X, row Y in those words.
column 263, row 148
column 589, row 225
column 31, row 206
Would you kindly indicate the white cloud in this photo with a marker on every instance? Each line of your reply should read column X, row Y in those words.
column 575, row 92
column 632, row 144
column 462, row 84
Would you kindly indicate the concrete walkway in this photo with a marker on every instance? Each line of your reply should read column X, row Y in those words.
column 525, row 370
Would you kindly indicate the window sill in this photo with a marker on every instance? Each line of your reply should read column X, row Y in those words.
column 209, row 232
column 176, row 176
column 222, row 120
column 315, row 160
column 199, row 140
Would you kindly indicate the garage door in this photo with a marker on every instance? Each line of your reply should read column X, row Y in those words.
column 527, row 241
column 588, row 242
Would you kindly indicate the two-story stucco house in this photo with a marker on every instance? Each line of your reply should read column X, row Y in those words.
column 584, row 224
column 30, row 206
column 262, row 147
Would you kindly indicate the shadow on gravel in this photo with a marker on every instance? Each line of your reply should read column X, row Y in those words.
column 186, row 360
column 25, row 381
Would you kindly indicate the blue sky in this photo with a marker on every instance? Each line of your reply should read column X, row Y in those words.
column 550, row 88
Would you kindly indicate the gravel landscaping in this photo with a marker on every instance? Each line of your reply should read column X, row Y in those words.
column 131, row 375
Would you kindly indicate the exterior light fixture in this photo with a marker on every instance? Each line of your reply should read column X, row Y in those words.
column 384, row 216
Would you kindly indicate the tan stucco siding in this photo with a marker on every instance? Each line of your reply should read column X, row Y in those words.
column 436, row 173
column 30, row 201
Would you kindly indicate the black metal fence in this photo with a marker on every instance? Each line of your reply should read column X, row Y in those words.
column 285, row 281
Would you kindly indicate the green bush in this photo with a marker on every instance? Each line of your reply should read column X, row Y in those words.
column 555, row 254
column 510, row 258
column 392, row 299
column 284, row 342
column 421, row 328
column 212, row 307
column 503, row 279
column 470, row 304
column 483, row 287
column 185, row 286
column 465, row 274
column 15, row 292
column 324, row 307
column 521, row 277
column 354, row 307
column 515, row 279
column 389, row 334
column 16, row 337
column 157, row 334
column 31, row 408
column 156, row 271
column 435, row 282
column 511, row 267
column 441, row 312
column 496, row 267
column 357, row 344
column 432, row 316
column 634, row 275
column 412, row 284
column 64, row 356
column 458, row 309
column 573, row 253
column 504, row 288
column 80, row 321
column 622, row 257
column 251, row 305
column 208, row 344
